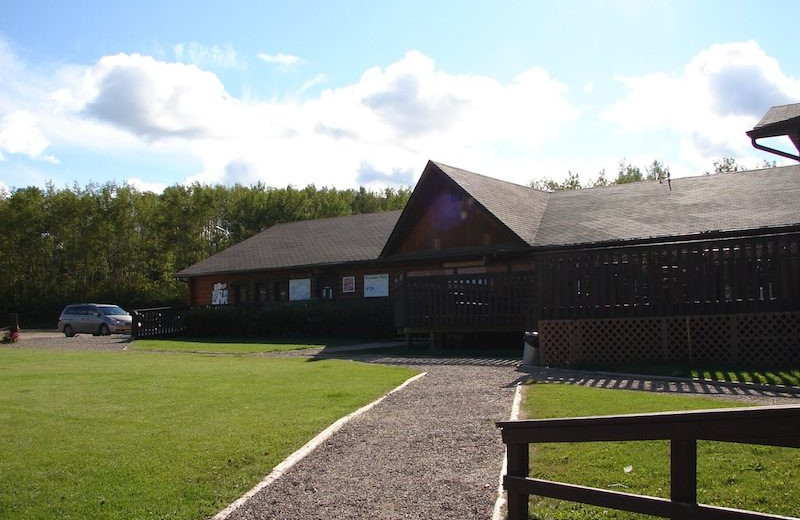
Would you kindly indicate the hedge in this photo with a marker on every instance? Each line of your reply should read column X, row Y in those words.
column 340, row 318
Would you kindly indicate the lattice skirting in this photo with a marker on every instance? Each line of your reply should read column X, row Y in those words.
column 764, row 339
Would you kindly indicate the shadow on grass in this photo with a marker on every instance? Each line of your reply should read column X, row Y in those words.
column 784, row 376
column 320, row 342
column 422, row 354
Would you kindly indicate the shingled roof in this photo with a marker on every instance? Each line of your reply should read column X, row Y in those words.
column 519, row 207
column 308, row 242
column 720, row 203
column 724, row 202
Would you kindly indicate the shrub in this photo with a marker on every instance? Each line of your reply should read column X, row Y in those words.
column 342, row 318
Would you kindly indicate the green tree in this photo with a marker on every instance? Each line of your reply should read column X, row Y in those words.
column 628, row 173
column 726, row 165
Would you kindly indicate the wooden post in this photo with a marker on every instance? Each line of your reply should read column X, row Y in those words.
column 13, row 327
column 134, row 324
column 517, row 467
column 683, row 474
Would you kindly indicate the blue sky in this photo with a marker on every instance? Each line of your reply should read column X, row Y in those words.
column 363, row 93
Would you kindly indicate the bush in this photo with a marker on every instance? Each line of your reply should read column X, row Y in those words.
column 342, row 318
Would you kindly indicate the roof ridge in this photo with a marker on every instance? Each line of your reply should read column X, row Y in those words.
column 440, row 164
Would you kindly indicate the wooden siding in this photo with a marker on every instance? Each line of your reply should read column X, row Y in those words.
column 277, row 284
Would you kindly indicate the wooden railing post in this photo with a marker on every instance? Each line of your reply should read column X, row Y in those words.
column 135, row 317
column 517, row 467
column 683, row 475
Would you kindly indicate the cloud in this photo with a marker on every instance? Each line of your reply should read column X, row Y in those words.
column 379, row 129
column 4, row 190
column 155, row 187
column 368, row 174
column 240, row 171
column 155, row 99
column 213, row 56
column 719, row 95
column 281, row 59
column 20, row 134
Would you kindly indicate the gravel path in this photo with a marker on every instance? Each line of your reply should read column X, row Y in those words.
column 429, row 451
column 57, row 341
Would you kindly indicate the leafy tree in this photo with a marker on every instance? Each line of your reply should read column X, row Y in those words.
column 628, row 173
column 601, row 179
column 114, row 243
column 726, row 165
column 656, row 171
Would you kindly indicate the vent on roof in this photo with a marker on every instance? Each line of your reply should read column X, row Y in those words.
column 779, row 121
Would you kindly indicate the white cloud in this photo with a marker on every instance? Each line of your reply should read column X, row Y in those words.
column 720, row 94
column 154, row 99
column 281, row 59
column 20, row 134
column 4, row 190
column 213, row 56
column 391, row 120
column 379, row 130
column 155, row 187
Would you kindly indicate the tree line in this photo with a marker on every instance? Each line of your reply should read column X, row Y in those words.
column 112, row 243
column 628, row 172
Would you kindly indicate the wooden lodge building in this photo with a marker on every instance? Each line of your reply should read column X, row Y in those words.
column 705, row 269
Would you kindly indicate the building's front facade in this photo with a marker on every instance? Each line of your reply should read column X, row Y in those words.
column 700, row 268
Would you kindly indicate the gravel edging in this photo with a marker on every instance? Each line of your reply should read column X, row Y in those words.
column 429, row 451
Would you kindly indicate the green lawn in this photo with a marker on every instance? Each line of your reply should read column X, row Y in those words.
column 751, row 477
column 149, row 435
column 237, row 345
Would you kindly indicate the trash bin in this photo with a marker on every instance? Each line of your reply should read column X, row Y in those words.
column 530, row 354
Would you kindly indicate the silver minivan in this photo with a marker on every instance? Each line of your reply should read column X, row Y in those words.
column 99, row 319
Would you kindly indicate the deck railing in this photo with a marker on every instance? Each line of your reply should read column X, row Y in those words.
column 464, row 302
column 769, row 425
column 157, row 322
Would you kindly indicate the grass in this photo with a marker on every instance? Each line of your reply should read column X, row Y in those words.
column 237, row 345
column 773, row 376
column 758, row 478
column 144, row 435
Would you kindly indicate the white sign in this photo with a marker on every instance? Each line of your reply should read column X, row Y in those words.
column 300, row 289
column 376, row 285
column 219, row 295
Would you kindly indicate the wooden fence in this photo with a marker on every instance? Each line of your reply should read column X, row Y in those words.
column 467, row 302
column 769, row 425
column 157, row 322
column 738, row 275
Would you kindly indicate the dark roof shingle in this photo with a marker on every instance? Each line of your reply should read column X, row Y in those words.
column 722, row 202
column 750, row 200
column 307, row 242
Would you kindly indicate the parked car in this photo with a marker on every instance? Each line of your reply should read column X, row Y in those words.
column 99, row 319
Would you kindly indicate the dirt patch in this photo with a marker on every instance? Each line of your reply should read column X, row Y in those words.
column 52, row 339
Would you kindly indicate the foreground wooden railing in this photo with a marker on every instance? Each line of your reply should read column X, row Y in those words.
column 769, row 425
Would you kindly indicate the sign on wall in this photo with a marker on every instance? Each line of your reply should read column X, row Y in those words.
column 219, row 294
column 300, row 289
column 376, row 285
column 348, row 284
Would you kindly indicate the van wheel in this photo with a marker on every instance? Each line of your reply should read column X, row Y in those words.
column 68, row 332
column 104, row 330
